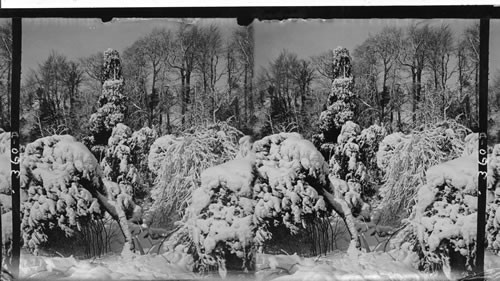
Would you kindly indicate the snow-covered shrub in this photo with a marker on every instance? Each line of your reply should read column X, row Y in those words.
column 443, row 223
column 4, row 142
column 340, row 104
column 5, row 175
column 177, row 162
column 404, row 160
column 292, row 176
column 282, row 182
column 493, row 205
column 111, row 104
column 61, row 178
column 220, row 217
column 353, row 162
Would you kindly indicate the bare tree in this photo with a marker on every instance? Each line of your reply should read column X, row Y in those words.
column 5, row 73
column 244, row 41
column 183, row 59
column 414, row 57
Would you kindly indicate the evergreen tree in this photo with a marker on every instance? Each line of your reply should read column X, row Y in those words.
column 111, row 104
column 340, row 104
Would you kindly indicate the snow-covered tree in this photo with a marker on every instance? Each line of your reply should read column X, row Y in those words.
column 340, row 103
column 353, row 162
column 124, row 164
column 111, row 104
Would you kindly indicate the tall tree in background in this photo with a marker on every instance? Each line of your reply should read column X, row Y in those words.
column 135, row 68
column 5, row 73
column 324, row 65
column 53, row 93
column 414, row 58
column 468, row 69
column 340, row 105
column 440, row 53
column 207, row 67
column 376, row 67
column 183, row 60
column 155, row 48
column 111, row 104
column 244, row 41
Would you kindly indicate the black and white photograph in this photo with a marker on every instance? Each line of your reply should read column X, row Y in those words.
column 294, row 149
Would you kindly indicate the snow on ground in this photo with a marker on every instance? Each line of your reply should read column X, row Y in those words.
column 351, row 265
column 171, row 265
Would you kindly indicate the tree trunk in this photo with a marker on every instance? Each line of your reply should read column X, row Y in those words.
column 414, row 95
column 183, row 99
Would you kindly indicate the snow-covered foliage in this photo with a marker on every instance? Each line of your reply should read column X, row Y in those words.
column 444, row 219
column 118, row 165
column 59, row 175
column 353, row 265
column 173, row 265
column 353, row 162
column 279, row 183
column 340, row 104
column 4, row 142
column 493, row 205
column 111, row 104
column 404, row 160
column 5, row 175
column 177, row 163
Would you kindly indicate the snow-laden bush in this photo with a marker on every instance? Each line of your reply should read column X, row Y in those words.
column 177, row 162
column 353, row 162
column 61, row 178
column 283, row 181
column 404, row 160
column 443, row 223
column 493, row 205
column 5, row 175
column 4, row 142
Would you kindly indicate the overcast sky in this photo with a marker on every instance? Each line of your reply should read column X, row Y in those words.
column 81, row 37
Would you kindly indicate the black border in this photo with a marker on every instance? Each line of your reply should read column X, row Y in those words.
column 246, row 14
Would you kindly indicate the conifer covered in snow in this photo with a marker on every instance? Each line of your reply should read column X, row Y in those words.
column 352, row 162
column 124, row 165
column 119, row 169
column 111, row 104
column 340, row 103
